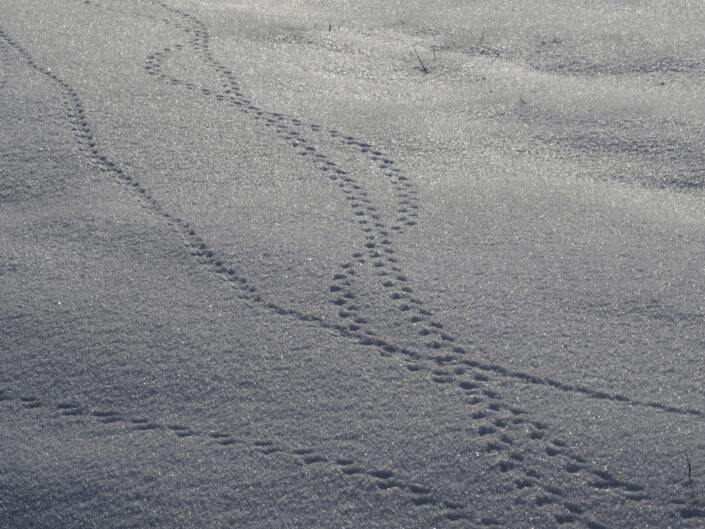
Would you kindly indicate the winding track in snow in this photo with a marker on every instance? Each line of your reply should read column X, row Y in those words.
column 443, row 360
column 455, row 368
column 379, row 250
column 351, row 467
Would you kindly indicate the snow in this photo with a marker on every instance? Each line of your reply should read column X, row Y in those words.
column 260, row 270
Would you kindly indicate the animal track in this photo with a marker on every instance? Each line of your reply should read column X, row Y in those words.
column 350, row 467
column 471, row 377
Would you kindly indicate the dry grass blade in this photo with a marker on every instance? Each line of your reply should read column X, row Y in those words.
column 420, row 61
column 690, row 466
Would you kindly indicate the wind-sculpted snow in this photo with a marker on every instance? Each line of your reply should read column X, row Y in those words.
column 536, row 470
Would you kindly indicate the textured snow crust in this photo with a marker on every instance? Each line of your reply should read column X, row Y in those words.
column 351, row 264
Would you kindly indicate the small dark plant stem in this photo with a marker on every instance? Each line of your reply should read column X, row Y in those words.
column 420, row 61
column 690, row 466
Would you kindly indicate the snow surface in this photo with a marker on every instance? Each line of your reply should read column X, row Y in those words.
column 258, row 269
